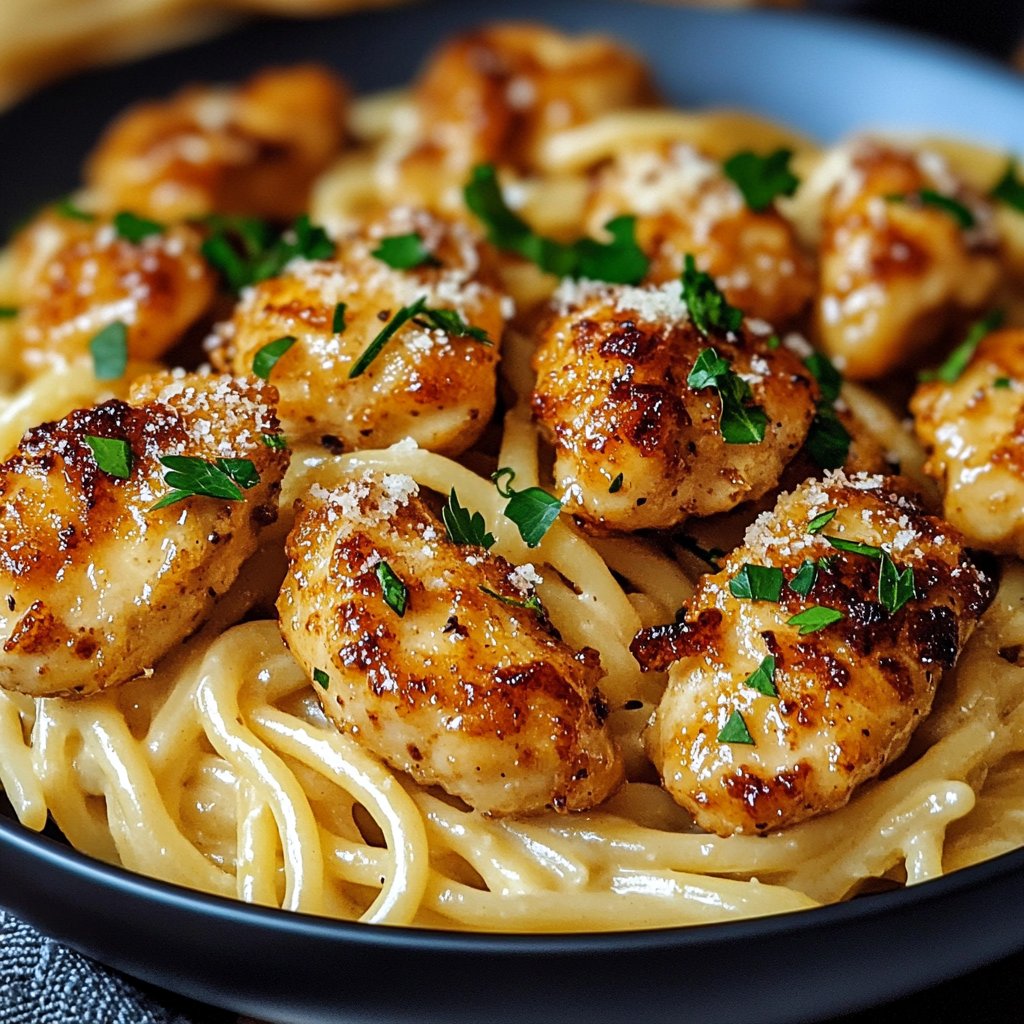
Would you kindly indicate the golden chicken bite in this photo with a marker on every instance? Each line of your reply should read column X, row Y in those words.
column 438, row 657
column 254, row 149
column 97, row 584
column 428, row 381
column 75, row 278
column 907, row 249
column 636, row 446
column 684, row 203
column 973, row 431
column 802, row 668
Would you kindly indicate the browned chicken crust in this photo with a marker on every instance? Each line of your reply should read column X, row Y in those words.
column 612, row 395
column 849, row 694
column 468, row 690
column 95, row 585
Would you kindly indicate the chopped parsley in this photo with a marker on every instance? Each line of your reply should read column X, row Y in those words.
column 8, row 312
column 616, row 485
column 112, row 454
column 618, row 261
column 828, row 441
column 762, row 678
column 821, row 520
column 810, row 620
column 1002, row 383
column 321, row 678
column 854, row 547
column 533, row 511
column 757, row 582
column 338, row 324
column 405, row 252
column 806, row 576
column 450, row 321
column 66, row 207
column 506, row 474
column 762, row 178
column 275, row 442
column 391, row 328
column 266, row 358
column 133, row 228
column 708, row 308
column 929, row 197
column 949, row 372
column 736, row 731
column 895, row 587
column 109, row 349
column 396, row 594
column 739, row 422
column 531, row 603
column 247, row 250
column 463, row 526
column 1009, row 189
column 189, row 475
column 823, row 370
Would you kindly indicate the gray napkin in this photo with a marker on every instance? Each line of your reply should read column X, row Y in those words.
column 43, row 982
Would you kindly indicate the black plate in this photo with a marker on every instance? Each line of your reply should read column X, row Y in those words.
column 823, row 76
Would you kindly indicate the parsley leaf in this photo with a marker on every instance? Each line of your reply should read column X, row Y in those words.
column 821, row 520
column 619, row 261
column 338, row 324
column 266, row 358
column 810, row 620
column 276, row 442
column 391, row 328
column 707, row 306
column 806, row 576
column 396, row 594
column 133, row 228
column 405, row 252
column 736, row 731
column 854, row 547
column 109, row 349
column 506, row 474
column 190, row 475
column 757, row 582
column 762, row 178
column 895, row 588
column 321, row 677
column 824, row 372
column 739, row 422
column 616, row 485
column 8, row 312
column 828, row 441
column 532, row 603
column 450, row 321
column 762, row 678
column 1002, row 383
column 67, row 208
column 929, row 197
column 1009, row 188
column 533, row 511
column 949, row 372
column 113, row 455
column 463, row 526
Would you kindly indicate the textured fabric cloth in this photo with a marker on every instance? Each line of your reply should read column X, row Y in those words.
column 43, row 982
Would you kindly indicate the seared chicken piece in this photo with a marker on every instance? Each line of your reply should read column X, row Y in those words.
column 636, row 446
column 825, row 704
column 973, row 430
column 76, row 278
column 97, row 584
column 427, row 382
column 683, row 202
column 463, row 683
column 254, row 149
column 493, row 95
column 906, row 250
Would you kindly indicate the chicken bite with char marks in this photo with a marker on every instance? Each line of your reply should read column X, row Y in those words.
column 636, row 445
column 438, row 657
column 96, row 583
column 769, row 721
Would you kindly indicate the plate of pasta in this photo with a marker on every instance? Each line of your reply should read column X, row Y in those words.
column 541, row 528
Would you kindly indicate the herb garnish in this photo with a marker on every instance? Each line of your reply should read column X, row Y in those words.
column 762, row 178
column 762, row 678
column 321, row 677
column 463, row 526
column 757, row 582
column 1009, row 188
column 505, row 473
column 405, row 252
column 399, row 320
column 821, row 520
column 247, row 250
column 949, row 372
column 828, row 441
column 854, row 547
column 67, row 208
column 736, row 731
column 533, row 511
column 806, row 576
column 616, row 485
column 190, row 475
column 929, row 197
column 133, row 228
column 531, row 603
column 109, row 349
column 619, row 261
column 895, row 588
column 8, row 312
column 707, row 306
column 396, row 594
column 739, row 422
column 112, row 454
column 708, row 555
column 1002, row 383
column 266, row 358
column 338, row 324
column 276, row 442
column 450, row 321
column 810, row 620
